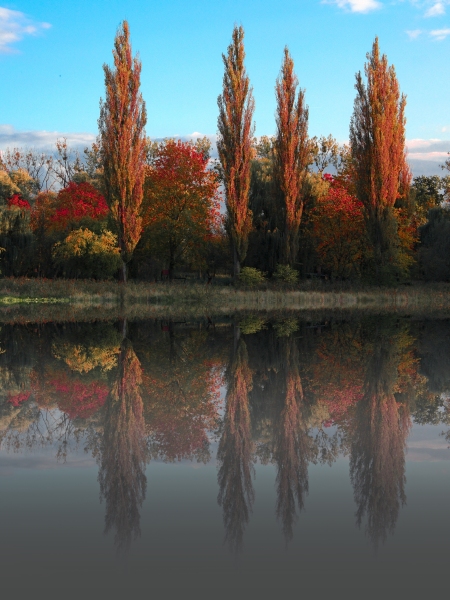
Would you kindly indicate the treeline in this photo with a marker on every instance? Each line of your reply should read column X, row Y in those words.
column 132, row 207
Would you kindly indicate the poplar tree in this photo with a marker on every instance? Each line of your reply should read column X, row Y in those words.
column 234, row 145
column 291, row 155
column 123, row 143
column 377, row 140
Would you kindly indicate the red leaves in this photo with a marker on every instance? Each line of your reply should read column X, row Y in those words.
column 17, row 399
column 17, row 200
column 64, row 211
column 78, row 201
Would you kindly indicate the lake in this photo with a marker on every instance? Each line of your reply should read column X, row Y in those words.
column 229, row 457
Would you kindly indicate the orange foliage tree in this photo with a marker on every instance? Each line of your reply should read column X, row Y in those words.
column 236, row 107
column 181, row 208
column 123, row 144
column 291, row 154
column 377, row 141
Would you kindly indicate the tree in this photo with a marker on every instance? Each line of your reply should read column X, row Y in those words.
column 291, row 154
column 234, row 145
column 325, row 152
column 338, row 231
column 377, row 140
column 181, row 208
column 123, row 144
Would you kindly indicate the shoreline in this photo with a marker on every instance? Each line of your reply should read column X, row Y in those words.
column 34, row 300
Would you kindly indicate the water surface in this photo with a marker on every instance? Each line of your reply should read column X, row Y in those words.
column 235, row 456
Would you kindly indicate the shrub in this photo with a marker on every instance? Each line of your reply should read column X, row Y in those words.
column 251, row 277
column 286, row 274
column 84, row 253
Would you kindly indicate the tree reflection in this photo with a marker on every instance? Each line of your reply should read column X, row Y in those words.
column 378, row 440
column 123, row 451
column 293, row 445
column 236, row 494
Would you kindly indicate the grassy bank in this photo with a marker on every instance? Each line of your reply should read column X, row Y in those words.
column 39, row 299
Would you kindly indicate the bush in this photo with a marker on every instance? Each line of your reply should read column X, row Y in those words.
column 434, row 254
column 85, row 254
column 251, row 277
column 286, row 274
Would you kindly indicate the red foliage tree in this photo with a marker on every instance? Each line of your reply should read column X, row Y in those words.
column 339, row 231
column 181, row 208
column 76, row 202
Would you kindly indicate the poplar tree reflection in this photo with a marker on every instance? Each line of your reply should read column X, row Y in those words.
column 378, row 440
column 292, row 444
column 123, row 451
column 236, row 494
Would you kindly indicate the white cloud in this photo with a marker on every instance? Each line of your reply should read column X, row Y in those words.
column 360, row 6
column 414, row 34
column 438, row 8
column 13, row 138
column 440, row 34
column 14, row 26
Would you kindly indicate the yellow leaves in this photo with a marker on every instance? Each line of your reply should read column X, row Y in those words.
column 83, row 358
column 83, row 241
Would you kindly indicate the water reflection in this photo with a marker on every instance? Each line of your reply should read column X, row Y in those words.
column 123, row 450
column 377, row 433
column 236, row 494
column 295, row 393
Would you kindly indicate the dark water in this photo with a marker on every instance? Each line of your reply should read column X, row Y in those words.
column 237, row 458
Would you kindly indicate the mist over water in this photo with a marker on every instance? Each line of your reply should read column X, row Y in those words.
column 225, row 456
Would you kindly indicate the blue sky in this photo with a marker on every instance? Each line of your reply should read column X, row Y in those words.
column 51, row 56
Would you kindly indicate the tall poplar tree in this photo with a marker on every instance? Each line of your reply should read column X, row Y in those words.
column 291, row 155
column 377, row 140
column 236, row 107
column 123, row 143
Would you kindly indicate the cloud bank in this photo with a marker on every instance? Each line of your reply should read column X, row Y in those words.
column 14, row 26
column 424, row 156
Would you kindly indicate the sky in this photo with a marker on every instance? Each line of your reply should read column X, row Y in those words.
column 52, row 52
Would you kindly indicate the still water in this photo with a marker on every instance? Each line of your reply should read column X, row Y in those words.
column 238, row 457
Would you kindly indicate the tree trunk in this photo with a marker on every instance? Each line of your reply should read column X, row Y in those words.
column 123, row 272
column 236, row 264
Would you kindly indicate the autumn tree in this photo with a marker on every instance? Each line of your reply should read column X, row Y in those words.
column 292, row 154
column 234, row 145
column 338, row 231
column 123, row 144
column 181, row 208
column 382, row 175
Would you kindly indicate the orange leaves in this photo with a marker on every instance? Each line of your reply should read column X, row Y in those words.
column 234, row 145
column 123, row 142
column 291, row 152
